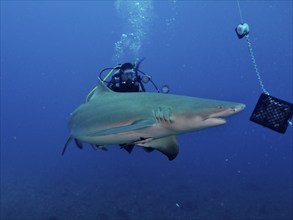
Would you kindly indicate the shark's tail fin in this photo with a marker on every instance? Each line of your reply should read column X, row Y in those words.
column 66, row 144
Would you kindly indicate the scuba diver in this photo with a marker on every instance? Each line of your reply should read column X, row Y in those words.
column 129, row 78
column 126, row 79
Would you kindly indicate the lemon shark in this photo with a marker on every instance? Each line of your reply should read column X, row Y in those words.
column 145, row 119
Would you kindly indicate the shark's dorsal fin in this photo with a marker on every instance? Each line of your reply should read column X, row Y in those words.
column 100, row 89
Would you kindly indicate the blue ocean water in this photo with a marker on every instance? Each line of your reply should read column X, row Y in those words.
column 51, row 54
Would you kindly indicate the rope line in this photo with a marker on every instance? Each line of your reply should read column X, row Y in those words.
column 240, row 13
column 255, row 65
column 252, row 55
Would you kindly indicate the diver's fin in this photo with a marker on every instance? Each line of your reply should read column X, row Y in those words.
column 94, row 146
column 66, row 144
column 78, row 143
column 127, row 147
column 166, row 145
column 102, row 147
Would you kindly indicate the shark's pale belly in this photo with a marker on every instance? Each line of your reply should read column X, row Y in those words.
column 129, row 137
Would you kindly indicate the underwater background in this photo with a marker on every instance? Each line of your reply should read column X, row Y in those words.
column 51, row 55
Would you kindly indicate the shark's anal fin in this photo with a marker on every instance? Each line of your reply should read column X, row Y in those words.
column 166, row 145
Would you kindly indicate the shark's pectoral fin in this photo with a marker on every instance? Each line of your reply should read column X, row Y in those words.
column 167, row 145
column 148, row 149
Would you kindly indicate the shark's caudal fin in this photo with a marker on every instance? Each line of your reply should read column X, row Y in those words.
column 167, row 145
column 77, row 142
column 66, row 144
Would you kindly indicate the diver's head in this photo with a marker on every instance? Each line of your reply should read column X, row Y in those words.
column 128, row 74
column 127, row 66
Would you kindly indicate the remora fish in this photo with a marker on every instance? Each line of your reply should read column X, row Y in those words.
column 149, row 120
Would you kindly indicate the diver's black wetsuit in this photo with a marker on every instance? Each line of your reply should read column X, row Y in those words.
column 126, row 79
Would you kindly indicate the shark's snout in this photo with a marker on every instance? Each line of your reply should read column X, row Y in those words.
column 239, row 108
column 225, row 111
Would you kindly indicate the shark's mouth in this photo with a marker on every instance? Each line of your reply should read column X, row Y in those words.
column 217, row 121
column 226, row 112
